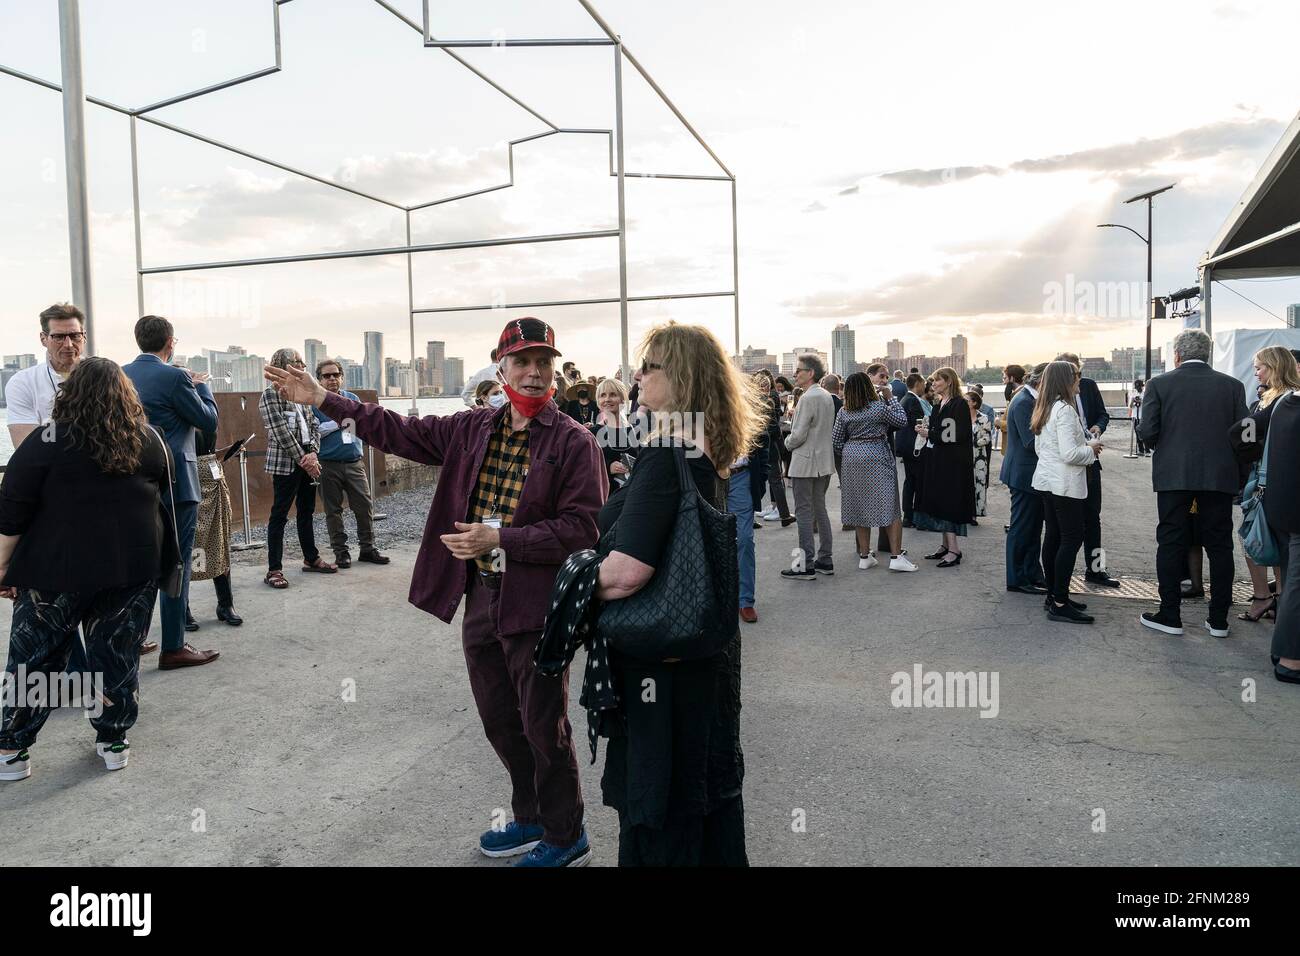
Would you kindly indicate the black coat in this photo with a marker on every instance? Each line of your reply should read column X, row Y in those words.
column 84, row 530
column 1186, row 417
column 1281, row 503
column 905, row 438
column 948, row 465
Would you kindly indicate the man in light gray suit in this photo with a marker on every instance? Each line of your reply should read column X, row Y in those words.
column 1186, row 415
column 812, row 462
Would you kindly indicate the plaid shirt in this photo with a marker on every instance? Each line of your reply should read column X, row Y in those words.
column 500, row 481
column 283, row 421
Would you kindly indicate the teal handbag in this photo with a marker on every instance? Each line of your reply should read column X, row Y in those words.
column 1256, row 537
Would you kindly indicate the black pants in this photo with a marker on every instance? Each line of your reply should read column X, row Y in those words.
column 910, row 468
column 294, row 490
column 775, row 483
column 44, row 630
column 1214, row 509
column 1286, row 631
column 1094, row 558
column 1064, row 523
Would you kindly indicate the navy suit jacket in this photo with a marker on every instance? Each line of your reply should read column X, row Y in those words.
column 1094, row 409
column 176, row 407
column 1019, row 459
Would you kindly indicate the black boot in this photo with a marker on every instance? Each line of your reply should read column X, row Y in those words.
column 190, row 623
column 226, row 612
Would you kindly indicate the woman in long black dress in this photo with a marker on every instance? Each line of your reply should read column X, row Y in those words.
column 946, row 499
column 674, row 766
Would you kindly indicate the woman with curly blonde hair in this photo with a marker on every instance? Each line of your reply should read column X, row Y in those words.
column 84, row 544
column 673, row 771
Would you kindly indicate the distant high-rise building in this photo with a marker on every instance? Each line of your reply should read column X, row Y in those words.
column 1293, row 315
column 753, row 360
column 20, row 362
column 435, row 356
column 373, row 362
column 314, row 352
column 959, row 354
column 894, row 354
column 6, row 373
column 453, row 375
column 1129, row 364
column 354, row 375
column 843, row 355
column 198, row 363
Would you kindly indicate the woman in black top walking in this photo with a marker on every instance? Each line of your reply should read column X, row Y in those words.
column 84, row 542
column 674, row 766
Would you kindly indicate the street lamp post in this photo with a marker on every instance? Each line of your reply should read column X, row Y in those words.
column 1148, row 196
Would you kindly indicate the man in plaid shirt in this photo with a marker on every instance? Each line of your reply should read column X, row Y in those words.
column 292, row 439
column 518, row 491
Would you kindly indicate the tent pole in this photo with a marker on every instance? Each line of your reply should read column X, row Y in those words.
column 1207, row 280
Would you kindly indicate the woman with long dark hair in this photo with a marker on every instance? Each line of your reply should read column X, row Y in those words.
column 946, row 499
column 84, row 543
column 1064, row 451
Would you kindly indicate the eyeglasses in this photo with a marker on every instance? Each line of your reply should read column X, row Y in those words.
column 62, row 337
column 649, row 366
column 331, row 374
column 297, row 364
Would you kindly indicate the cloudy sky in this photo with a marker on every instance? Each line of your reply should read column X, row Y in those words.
column 913, row 170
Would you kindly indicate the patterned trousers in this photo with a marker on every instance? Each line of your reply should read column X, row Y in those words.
column 114, row 621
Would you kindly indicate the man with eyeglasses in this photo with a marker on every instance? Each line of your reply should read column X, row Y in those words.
column 292, row 440
column 343, row 474
column 30, row 393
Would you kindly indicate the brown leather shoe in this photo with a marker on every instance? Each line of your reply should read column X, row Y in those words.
column 148, row 647
column 748, row 615
column 187, row 656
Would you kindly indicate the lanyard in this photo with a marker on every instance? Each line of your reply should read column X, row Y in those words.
column 508, row 468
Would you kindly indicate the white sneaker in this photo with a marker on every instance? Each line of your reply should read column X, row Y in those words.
column 15, row 766
column 115, row 755
column 901, row 563
column 867, row 563
column 771, row 514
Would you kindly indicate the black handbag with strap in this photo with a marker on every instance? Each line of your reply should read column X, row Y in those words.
column 688, row 609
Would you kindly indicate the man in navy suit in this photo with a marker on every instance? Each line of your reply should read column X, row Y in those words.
column 1019, row 459
column 1092, row 410
column 177, row 403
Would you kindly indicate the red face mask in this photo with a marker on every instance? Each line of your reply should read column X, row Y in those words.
column 527, row 405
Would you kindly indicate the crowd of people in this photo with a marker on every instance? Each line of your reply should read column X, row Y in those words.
column 565, row 501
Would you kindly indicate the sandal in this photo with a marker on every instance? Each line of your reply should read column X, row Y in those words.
column 941, row 553
column 1269, row 609
column 319, row 566
column 276, row 580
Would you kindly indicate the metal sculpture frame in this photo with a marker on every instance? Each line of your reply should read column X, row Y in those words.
column 79, row 247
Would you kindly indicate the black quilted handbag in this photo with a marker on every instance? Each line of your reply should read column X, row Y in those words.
column 688, row 610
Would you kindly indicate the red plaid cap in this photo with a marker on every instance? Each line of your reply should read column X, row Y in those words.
column 526, row 333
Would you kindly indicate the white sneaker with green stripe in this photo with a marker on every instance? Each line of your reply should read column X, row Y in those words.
column 15, row 766
column 115, row 754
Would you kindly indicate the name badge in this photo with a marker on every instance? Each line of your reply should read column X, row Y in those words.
column 216, row 469
column 493, row 521
column 347, row 437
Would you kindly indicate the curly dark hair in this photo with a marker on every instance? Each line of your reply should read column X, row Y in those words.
column 99, row 405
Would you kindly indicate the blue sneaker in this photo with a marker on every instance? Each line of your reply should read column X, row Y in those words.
column 514, row 839
column 543, row 854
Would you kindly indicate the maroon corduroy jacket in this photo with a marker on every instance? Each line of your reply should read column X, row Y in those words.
column 564, row 490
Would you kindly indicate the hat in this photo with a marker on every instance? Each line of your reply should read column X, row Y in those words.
column 526, row 333
column 571, row 393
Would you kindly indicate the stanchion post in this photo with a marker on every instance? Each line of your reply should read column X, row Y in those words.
column 370, row 460
column 249, row 543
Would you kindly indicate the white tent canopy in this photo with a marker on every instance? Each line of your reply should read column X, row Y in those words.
column 1235, row 350
column 1261, row 236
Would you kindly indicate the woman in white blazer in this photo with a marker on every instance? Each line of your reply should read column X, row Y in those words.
column 1064, row 451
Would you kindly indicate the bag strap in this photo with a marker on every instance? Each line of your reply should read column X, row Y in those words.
column 171, row 484
column 684, row 475
column 1262, row 480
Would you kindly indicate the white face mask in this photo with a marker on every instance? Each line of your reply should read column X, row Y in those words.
column 497, row 399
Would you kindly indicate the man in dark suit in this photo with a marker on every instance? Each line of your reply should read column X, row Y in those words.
column 905, row 443
column 178, row 402
column 1019, row 459
column 1186, row 415
column 1092, row 410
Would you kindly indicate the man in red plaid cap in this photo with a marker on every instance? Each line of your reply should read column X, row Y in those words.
column 518, row 492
